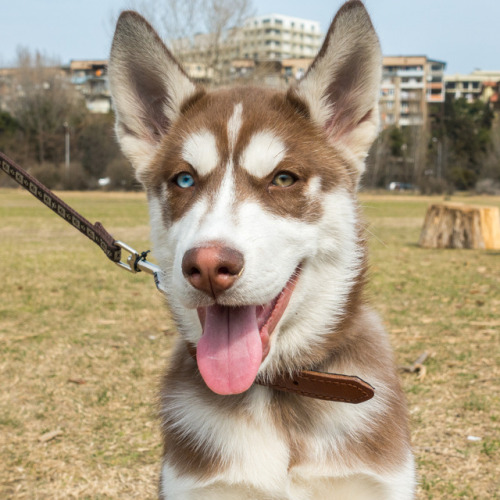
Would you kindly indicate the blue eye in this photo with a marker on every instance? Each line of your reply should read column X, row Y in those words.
column 184, row 180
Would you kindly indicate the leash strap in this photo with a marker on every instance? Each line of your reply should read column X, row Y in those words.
column 95, row 232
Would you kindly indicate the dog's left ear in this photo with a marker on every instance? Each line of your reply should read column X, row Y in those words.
column 341, row 88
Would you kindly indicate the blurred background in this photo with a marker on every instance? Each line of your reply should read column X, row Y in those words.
column 438, row 104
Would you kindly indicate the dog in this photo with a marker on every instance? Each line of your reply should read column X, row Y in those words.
column 258, row 233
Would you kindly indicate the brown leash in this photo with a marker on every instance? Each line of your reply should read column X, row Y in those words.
column 136, row 261
column 313, row 384
column 95, row 232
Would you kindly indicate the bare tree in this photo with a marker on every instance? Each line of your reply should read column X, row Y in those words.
column 223, row 22
column 44, row 100
column 199, row 32
column 491, row 167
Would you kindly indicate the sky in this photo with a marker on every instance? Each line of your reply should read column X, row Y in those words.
column 462, row 33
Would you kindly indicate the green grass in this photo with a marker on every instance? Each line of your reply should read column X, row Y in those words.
column 83, row 345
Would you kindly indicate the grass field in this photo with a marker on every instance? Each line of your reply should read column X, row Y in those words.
column 83, row 345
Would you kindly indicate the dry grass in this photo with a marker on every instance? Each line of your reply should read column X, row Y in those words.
column 83, row 345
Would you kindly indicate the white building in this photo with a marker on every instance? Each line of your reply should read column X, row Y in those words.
column 410, row 86
column 476, row 85
column 278, row 37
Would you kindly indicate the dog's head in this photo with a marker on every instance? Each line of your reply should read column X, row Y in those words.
column 252, row 195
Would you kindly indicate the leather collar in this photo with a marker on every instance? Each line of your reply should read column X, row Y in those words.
column 319, row 385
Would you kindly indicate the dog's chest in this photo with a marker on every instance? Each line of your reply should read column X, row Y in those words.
column 264, row 445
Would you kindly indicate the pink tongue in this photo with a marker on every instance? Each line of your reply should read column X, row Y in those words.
column 229, row 352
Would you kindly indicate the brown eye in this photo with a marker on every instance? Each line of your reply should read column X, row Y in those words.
column 284, row 179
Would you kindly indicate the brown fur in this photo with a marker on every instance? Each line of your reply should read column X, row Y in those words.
column 326, row 123
column 308, row 153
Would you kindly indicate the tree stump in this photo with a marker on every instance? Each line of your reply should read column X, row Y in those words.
column 456, row 225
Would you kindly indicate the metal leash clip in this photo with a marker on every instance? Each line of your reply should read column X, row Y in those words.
column 137, row 262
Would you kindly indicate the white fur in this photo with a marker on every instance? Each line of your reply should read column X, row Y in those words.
column 234, row 126
column 257, row 454
column 263, row 154
column 314, row 187
column 258, row 458
column 200, row 151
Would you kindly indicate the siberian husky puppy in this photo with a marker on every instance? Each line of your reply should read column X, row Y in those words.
column 257, row 230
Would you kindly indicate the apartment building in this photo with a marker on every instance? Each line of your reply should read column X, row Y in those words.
column 262, row 39
column 479, row 84
column 278, row 37
column 90, row 78
column 410, row 84
column 9, row 87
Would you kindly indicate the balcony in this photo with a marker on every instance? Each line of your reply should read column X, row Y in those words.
column 435, row 97
column 406, row 121
column 412, row 85
column 410, row 96
column 410, row 72
column 435, row 85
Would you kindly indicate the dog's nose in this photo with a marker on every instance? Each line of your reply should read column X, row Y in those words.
column 212, row 269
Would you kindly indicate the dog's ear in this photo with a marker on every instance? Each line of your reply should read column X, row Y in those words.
column 148, row 87
column 341, row 88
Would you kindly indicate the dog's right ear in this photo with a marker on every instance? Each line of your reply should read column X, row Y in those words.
column 341, row 88
column 148, row 87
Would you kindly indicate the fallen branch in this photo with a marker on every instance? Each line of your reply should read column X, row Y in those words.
column 49, row 436
column 417, row 367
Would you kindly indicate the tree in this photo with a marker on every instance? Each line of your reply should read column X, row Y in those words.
column 467, row 127
column 200, row 31
column 9, row 126
column 397, row 156
column 491, row 164
column 44, row 102
column 97, row 144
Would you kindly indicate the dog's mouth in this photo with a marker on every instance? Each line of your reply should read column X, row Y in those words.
column 236, row 339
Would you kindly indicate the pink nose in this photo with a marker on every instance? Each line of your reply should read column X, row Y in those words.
column 212, row 269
